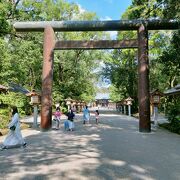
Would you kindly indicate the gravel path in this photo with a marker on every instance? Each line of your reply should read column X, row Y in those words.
column 112, row 150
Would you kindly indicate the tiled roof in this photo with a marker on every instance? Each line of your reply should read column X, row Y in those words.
column 173, row 91
column 3, row 87
column 102, row 96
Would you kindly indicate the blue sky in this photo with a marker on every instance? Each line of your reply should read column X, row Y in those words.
column 105, row 9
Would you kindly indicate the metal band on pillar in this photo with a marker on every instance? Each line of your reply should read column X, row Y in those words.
column 143, row 70
column 47, row 78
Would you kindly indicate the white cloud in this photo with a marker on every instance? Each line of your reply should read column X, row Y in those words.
column 106, row 18
column 81, row 9
column 113, row 34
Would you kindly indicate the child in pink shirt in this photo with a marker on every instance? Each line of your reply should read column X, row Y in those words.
column 57, row 115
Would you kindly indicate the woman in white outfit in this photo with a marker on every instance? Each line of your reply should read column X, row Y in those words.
column 14, row 137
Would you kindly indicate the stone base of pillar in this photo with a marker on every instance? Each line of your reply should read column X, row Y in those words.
column 145, row 130
column 45, row 130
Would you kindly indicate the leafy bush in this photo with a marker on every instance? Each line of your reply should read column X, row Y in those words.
column 4, row 118
column 173, row 113
column 10, row 99
column 64, row 110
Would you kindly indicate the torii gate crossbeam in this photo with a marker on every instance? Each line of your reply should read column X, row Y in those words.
column 142, row 27
column 114, row 25
column 104, row 44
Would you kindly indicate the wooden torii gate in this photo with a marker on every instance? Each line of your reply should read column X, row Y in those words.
column 142, row 27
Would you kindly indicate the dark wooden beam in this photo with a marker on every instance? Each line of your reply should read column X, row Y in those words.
column 115, row 25
column 102, row 44
column 143, row 81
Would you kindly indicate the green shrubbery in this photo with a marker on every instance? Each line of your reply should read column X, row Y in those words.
column 174, row 118
column 173, row 113
column 4, row 118
column 9, row 100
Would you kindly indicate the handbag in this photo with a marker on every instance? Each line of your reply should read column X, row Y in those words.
column 13, row 128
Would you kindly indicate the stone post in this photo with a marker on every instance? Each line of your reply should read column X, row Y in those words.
column 129, row 110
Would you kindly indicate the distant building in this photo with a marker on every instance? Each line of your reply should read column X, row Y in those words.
column 103, row 100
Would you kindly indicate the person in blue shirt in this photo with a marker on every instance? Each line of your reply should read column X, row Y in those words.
column 86, row 115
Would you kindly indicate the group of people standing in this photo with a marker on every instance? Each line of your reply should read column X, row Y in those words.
column 69, row 123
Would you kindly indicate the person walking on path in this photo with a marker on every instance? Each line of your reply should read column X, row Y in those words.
column 71, row 116
column 57, row 115
column 86, row 115
column 14, row 137
column 97, row 116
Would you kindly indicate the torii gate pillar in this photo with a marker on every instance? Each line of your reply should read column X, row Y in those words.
column 47, row 78
column 143, row 84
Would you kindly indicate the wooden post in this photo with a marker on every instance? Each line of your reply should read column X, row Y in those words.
column 143, row 85
column 47, row 78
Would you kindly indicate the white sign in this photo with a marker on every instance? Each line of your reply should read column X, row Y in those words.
column 34, row 100
column 156, row 99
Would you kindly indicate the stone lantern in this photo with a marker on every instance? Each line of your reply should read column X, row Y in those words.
column 74, row 105
column 129, row 103
column 155, row 101
column 3, row 89
column 35, row 101
column 68, row 103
